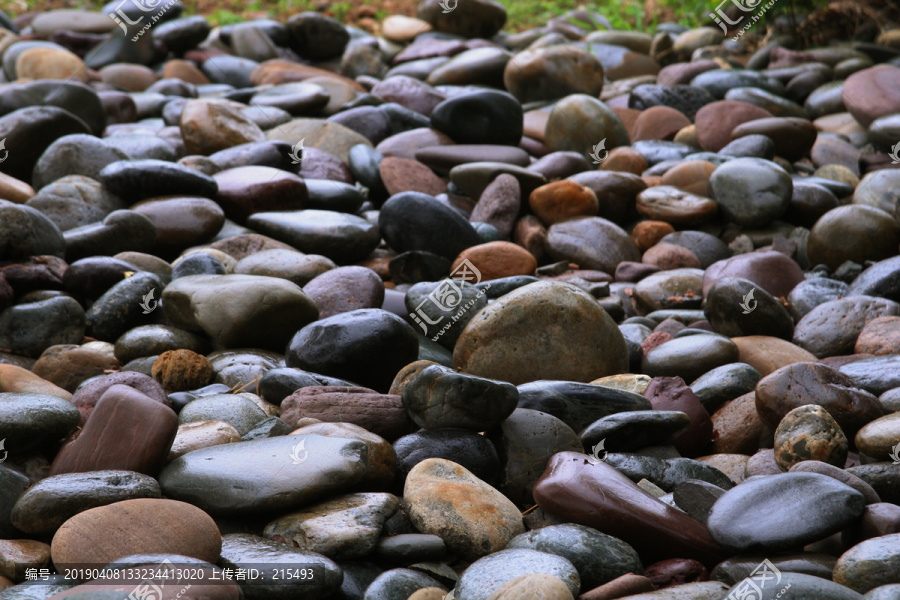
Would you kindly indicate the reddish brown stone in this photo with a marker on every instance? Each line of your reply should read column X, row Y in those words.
column 658, row 123
column 671, row 393
column 498, row 259
column 737, row 428
column 87, row 396
column 811, row 383
column 880, row 336
column 563, row 200
column 717, row 120
column 624, row 159
column 634, row 271
column 185, row 71
column 244, row 191
column 409, row 175
column 382, row 414
column 243, row 245
column 872, row 93
column 127, row 431
column 675, row 571
column 880, row 518
column 793, row 137
column 180, row 370
column 669, row 256
column 101, row 535
column 531, row 234
column 772, row 271
column 683, row 73
column 657, row 338
column 767, row 354
column 407, row 143
column 692, row 176
column 68, row 365
column 620, row 587
column 318, row 164
column 647, row 234
column 344, row 289
column 499, row 204
column 592, row 493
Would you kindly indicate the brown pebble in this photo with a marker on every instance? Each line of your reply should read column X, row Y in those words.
column 647, row 234
column 180, row 370
column 406, row 174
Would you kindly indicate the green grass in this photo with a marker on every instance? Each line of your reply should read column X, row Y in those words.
column 627, row 15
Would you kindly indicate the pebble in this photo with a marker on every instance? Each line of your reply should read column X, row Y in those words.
column 232, row 479
column 482, row 349
column 145, row 525
column 809, row 433
column 481, row 522
column 49, row 503
column 676, row 250
column 743, row 519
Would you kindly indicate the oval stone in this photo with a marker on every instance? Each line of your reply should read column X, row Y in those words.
column 783, row 512
column 142, row 526
column 505, row 340
column 444, row 499
column 49, row 503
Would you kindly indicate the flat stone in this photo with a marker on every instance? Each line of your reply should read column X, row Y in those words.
column 144, row 525
column 240, row 478
column 49, row 503
column 743, row 519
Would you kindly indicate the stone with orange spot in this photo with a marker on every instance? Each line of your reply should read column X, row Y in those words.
column 658, row 123
column 648, row 233
column 498, row 259
column 624, row 158
column 669, row 256
column 474, row 519
column 563, row 200
column 692, row 176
